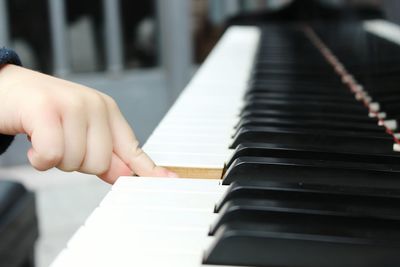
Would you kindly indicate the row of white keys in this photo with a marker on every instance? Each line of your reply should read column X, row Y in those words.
column 196, row 132
column 391, row 32
column 147, row 222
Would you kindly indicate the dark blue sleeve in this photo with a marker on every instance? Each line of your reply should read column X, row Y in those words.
column 7, row 56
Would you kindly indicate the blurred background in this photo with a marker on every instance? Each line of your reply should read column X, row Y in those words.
column 142, row 53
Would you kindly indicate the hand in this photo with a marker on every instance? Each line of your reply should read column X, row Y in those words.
column 71, row 127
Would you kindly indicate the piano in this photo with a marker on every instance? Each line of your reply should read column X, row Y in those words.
column 287, row 139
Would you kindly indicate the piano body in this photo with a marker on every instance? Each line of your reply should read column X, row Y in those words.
column 286, row 137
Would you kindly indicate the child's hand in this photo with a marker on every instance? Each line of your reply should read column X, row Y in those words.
column 71, row 127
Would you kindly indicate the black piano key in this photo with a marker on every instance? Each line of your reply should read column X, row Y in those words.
column 308, row 115
column 303, row 86
column 311, row 124
column 308, row 222
column 391, row 110
column 309, row 204
column 310, row 106
column 278, row 242
column 293, row 199
column 385, row 201
column 359, row 142
column 385, row 91
column 389, row 98
column 260, row 74
column 310, row 152
column 298, row 96
column 304, row 89
column 290, row 67
column 313, row 172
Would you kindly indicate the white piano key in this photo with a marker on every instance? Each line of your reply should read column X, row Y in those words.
column 396, row 147
column 205, row 106
column 136, row 199
column 374, row 106
column 195, row 129
column 146, row 239
column 190, row 139
column 151, row 217
column 188, row 160
column 382, row 115
column 179, row 120
column 76, row 258
column 187, row 148
column 129, row 183
column 391, row 124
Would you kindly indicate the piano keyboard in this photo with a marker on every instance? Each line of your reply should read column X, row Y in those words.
column 307, row 175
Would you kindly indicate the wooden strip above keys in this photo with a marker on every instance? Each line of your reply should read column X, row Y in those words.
column 191, row 165
column 201, row 173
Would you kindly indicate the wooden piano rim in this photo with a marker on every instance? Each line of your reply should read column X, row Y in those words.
column 204, row 173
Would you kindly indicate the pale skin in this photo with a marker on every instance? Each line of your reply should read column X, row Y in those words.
column 70, row 126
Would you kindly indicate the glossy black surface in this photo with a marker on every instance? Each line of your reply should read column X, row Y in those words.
column 362, row 142
column 314, row 180
column 311, row 152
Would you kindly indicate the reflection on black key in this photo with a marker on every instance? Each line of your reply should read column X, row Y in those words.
column 314, row 200
column 308, row 115
column 313, row 172
column 295, row 87
column 299, row 106
column 311, row 152
column 264, row 212
column 251, row 96
column 306, row 240
column 311, row 124
column 362, row 142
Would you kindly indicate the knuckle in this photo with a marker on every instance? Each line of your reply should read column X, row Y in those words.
column 112, row 104
column 51, row 157
column 76, row 104
column 43, row 101
column 97, row 101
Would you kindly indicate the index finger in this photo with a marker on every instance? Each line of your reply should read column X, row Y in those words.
column 126, row 146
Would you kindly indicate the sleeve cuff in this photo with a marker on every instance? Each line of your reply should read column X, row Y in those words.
column 7, row 56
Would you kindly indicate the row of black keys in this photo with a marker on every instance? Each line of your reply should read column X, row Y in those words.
column 276, row 224
column 314, row 180
column 376, row 68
